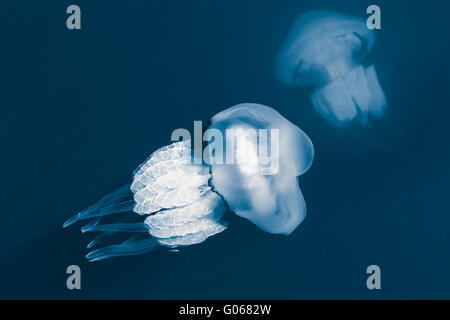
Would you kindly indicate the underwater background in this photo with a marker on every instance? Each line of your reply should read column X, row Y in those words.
column 82, row 109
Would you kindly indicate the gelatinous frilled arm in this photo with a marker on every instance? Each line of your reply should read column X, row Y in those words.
column 115, row 202
column 198, row 219
column 168, row 179
column 356, row 95
column 179, row 192
column 182, row 209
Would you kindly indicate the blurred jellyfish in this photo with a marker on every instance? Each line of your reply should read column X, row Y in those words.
column 325, row 50
column 184, row 202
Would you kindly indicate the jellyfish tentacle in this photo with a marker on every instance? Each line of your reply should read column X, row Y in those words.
column 116, row 227
column 100, row 238
column 95, row 221
column 115, row 196
column 109, row 204
column 127, row 248
column 109, row 209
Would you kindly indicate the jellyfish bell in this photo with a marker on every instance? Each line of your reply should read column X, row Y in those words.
column 183, row 203
column 322, row 46
column 270, row 199
column 325, row 50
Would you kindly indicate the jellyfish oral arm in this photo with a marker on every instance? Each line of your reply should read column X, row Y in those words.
column 358, row 94
column 180, row 207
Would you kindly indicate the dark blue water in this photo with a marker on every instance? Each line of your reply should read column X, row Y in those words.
column 82, row 109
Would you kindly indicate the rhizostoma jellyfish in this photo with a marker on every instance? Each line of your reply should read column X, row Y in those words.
column 325, row 50
column 250, row 166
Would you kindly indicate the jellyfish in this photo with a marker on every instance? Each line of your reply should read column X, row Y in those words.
column 250, row 167
column 325, row 50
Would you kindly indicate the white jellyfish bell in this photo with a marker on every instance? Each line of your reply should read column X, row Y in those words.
column 184, row 202
column 325, row 50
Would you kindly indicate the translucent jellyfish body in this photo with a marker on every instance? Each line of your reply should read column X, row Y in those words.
column 325, row 50
column 270, row 199
column 183, row 203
